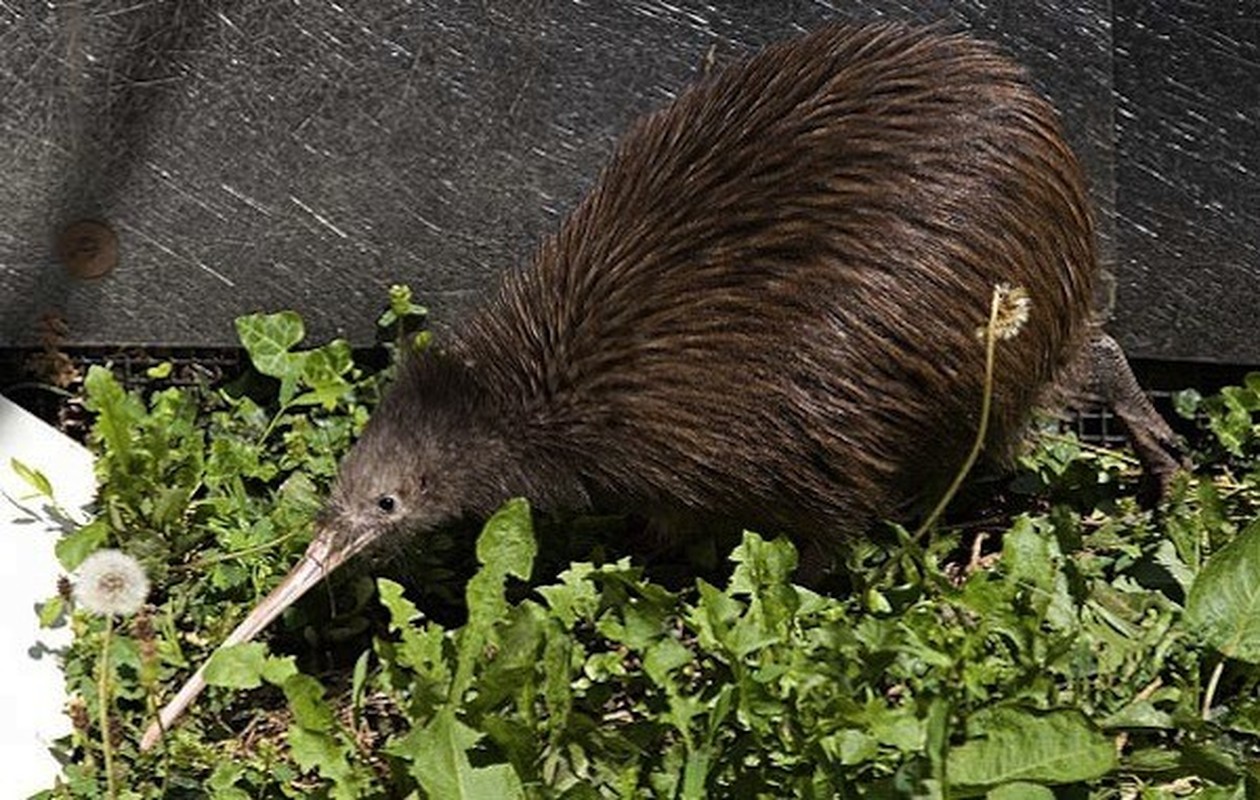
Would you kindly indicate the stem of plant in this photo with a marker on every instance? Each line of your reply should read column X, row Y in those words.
column 102, row 691
column 986, row 405
column 1211, row 688
column 1119, row 455
column 202, row 563
column 272, row 424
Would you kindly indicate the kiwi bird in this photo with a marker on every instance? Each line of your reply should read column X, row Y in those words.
column 765, row 310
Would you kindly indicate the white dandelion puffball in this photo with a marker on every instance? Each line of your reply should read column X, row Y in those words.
column 111, row 582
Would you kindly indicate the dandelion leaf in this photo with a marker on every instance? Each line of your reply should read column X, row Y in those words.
column 1224, row 602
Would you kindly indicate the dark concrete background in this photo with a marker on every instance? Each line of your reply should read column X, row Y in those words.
column 263, row 155
column 1188, row 179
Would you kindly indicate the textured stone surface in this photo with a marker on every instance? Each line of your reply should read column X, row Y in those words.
column 262, row 155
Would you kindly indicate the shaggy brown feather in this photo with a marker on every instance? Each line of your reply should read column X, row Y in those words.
column 766, row 310
column 767, row 306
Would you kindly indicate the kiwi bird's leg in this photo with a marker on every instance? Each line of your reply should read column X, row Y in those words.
column 1154, row 441
column 320, row 559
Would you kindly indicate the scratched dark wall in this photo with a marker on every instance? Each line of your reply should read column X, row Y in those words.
column 263, row 155
column 1188, row 179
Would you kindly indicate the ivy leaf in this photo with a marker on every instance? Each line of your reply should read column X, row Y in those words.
column 1224, row 602
column 160, row 370
column 323, row 369
column 1187, row 402
column 268, row 338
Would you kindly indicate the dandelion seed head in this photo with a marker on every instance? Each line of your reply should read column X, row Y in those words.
column 1013, row 308
column 110, row 582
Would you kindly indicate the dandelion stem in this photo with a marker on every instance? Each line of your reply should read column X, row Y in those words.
column 102, row 688
column 982, row 431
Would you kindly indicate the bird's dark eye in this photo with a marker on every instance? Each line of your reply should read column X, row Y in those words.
column 424, row 483
column 386, row 503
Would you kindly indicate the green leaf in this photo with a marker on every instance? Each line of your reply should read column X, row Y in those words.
column 1230, row 417
column 761, row 563
column 1020, row 791
column 557, row 688
column 1187, row 402
column 662, row 658
column 1224, row 603
column 237, row 666
column 422, row 646
column 575, row 598
column 401, row 610
column 52, row 611
column 695, row 773
column 118, row 412
column 506, row 545
column 323, row 369
column 72, row 548
column 358, row 682
column 278, row 669
column 222, row 782
column 316, row 750
column 159, row 371
column 850, row 746
column 439, row 754
column 306, row 699
column 327, row 364
column 401, row 306
column 1008, row 745
column 268, row 338
column 714, row 615
column 33, row 478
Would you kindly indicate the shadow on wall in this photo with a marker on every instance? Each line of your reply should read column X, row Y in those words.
column 116, row 76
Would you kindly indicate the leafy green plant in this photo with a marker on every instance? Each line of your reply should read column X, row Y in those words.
column 1081, row 647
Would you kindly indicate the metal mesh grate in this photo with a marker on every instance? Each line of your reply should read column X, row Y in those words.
column 21, row 381
column 46, row 381
column 1097, row 425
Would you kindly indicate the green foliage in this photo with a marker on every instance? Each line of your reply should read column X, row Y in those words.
column 33, row 478
column 1014, row 746
column 1224, row 604
column 404, row 318
column 1231, row 415
column 1068, row 658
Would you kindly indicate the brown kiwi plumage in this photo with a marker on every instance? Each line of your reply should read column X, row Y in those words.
column 765, row 310
column 767, row 306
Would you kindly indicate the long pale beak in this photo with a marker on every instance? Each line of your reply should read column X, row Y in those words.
column 319, row 560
